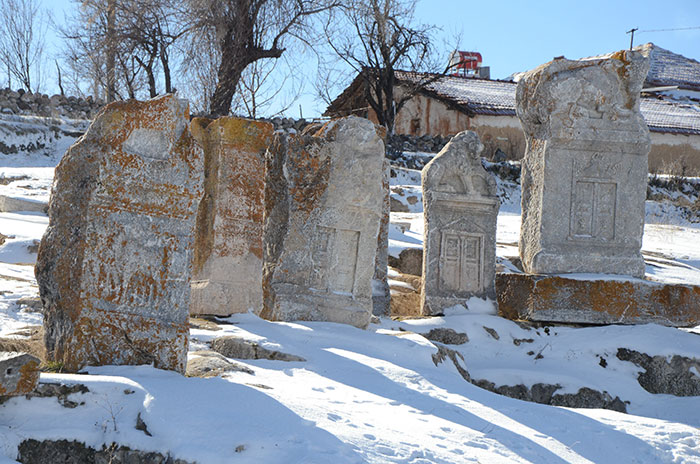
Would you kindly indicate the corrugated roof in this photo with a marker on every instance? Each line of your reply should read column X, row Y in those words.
column 668, row 68
column 481, row 96
column 666, row 116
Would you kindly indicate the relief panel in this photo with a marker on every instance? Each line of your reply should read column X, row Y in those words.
column 461, row 256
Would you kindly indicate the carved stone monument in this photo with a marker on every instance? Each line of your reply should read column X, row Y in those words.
column 324, row 202
column 585, row 168
column 460, row 207
column 114, row 264
column 227, row 274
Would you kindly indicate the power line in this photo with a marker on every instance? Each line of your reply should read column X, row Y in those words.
column 668, row 30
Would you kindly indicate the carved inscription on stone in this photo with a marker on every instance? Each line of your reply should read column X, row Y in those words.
column 461, row 257
column 335, row 259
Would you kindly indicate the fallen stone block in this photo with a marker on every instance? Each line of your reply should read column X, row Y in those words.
column 19, row 373
column 114, row 264
column 239, row 348
column 545, row 298
column 11, row 204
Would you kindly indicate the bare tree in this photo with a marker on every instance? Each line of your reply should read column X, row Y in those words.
column 250, row 30
column 124, row 46
column 23, row 27
column 375, row 38
column 263, row 84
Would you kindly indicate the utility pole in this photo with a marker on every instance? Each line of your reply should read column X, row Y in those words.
column 631, row 31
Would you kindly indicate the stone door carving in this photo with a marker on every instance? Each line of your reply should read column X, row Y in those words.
column 335, row 259
column 594, row 200
column 461, row 255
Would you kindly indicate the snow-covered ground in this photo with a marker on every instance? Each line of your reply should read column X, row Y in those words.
column 376, row 395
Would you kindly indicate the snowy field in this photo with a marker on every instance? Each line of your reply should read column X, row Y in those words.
column 378, row 395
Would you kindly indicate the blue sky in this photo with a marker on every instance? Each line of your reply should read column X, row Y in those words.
column 514, row 35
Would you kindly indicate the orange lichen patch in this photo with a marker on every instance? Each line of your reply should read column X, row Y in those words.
column 559, row 299
column 107, row 337
column 234, row 184
column 27, row 380
column 121, row 221
column 309, row 179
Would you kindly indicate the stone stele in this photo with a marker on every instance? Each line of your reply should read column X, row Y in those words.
column 585, row 167
column 460, row 207
column 227, row 273
column 114, row 264
column 324, row 201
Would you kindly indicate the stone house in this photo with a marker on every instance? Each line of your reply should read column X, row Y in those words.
column 451, row 104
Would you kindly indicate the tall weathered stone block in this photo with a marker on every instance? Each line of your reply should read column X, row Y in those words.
column 324, row 200
column 381, row 296
column 460, row 208
column 585, row 168
column 227, row 275
column 114, row 264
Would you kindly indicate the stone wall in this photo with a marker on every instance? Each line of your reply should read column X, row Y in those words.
column 39, row 104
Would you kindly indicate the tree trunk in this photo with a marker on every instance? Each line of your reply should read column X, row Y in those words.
column 166, row 69
column 60, row 83
column 232, row 65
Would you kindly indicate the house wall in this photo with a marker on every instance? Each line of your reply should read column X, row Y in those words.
column 427, row 116
column 675, row 154
column 422, row 115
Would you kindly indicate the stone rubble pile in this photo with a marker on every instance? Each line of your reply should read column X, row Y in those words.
column 21, row 102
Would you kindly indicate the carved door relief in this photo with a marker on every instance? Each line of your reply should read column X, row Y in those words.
column 594, row 199
column 334, row 255
column 593, row 210
column 461, row 258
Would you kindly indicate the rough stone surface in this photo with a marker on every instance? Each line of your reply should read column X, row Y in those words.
column 211, row 364
column 227, row 271
column 62, row 392
column 679, row 375
column 446, row 336
column 381, row 298
column 33, row 451
column 585, row 167
column 324, row 201
column 19, row 373
column 410, row 261
column 239, row 348
column 10, row 204
column 114, row 264
column 633, row 301
column 538, row 393
column 460, row 207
